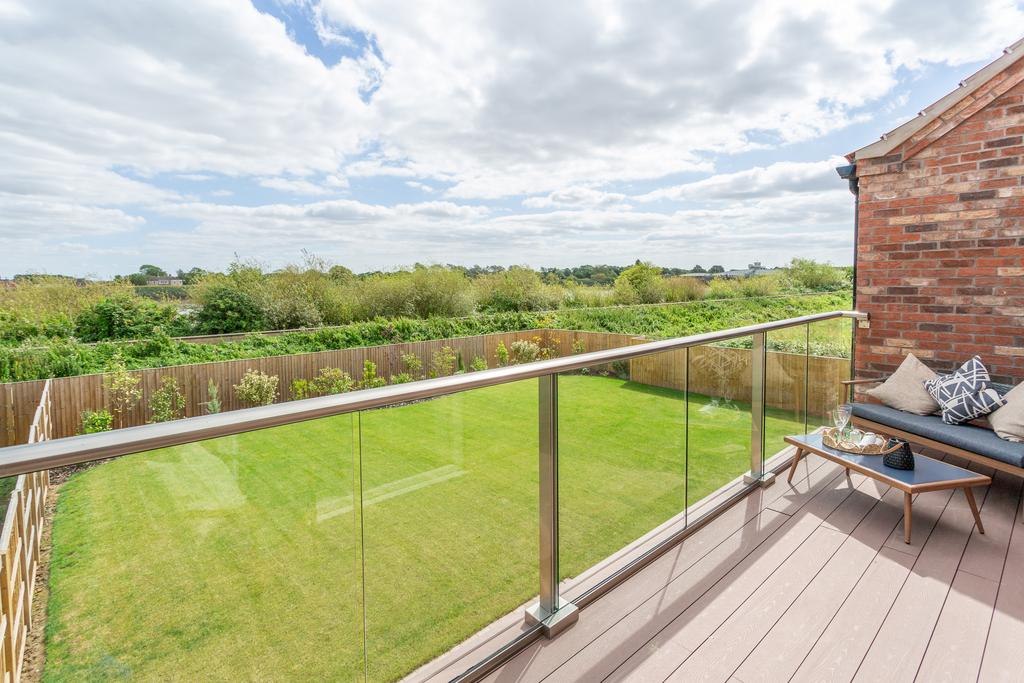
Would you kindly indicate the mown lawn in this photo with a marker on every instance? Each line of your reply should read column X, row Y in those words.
column 236, row 558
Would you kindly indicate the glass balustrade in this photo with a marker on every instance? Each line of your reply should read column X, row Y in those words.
column 449, row 518
column 361, row 546
column 720, row 385
column 222, row 560
column 829, row 352
column 785, row 386
column 622, row 456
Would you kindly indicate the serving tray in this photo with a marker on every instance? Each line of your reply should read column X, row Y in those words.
column 831, row 438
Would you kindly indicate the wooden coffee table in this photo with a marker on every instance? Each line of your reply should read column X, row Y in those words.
column 928, row 474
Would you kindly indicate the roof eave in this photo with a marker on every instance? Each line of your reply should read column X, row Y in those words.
column 901, row 134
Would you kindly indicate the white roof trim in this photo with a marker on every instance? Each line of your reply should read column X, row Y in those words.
column 898, row 136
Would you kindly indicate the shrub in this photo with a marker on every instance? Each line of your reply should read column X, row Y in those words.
column 523, row 351
column 640, row 284
column 501, row 354
column 162, row 293
column 122, row 317
column 332, row 381
column 412, row 364
column 212, row 398
column 48, row 304
column 722, row 288
column 442, row 362
column 578, row 296
column 516, row 289
column 547, row 350
column 401, row 378
column 759, row 285
column 477, row 364
column 370, row 379
column 301, row 296
column 438, row 291
column 579, row 346
column 167, row 403
column 340, row 274
column 98, row 421
column 123, row 389
column 257, row 388
column 224, row 309
column 386, row 296
column 809, row 274
column 682, row 288
column 300, row 389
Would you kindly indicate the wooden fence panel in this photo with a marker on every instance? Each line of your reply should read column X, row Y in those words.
column 71, row 396
column 714, row 371
column 20, row 542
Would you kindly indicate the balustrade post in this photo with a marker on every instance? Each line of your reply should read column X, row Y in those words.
column 758, row 364
column 553, row 614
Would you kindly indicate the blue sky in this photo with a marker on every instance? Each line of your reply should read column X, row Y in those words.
column 378, row 134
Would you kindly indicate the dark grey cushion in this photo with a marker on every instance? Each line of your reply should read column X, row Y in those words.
column 968, row 437
column 1003, row 389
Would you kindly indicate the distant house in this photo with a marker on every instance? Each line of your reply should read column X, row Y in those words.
column 752, row 269
column 164, row 282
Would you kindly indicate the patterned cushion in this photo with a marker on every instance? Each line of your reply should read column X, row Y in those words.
column 965, row 394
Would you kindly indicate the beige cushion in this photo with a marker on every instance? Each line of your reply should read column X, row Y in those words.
column 904, row 390
column 1008, row 421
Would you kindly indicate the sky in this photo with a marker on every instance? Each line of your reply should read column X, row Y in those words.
column 381, row 133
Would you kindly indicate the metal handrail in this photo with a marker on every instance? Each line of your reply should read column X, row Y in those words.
column 74, row 450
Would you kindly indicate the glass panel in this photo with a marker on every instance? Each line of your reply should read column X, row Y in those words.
column 719, row 381
column 223, row 560
column 785, row 386
column 450, row 520
column 622, row 455
column 828, row 365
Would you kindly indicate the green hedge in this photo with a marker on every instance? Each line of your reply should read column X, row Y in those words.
column 68, row 358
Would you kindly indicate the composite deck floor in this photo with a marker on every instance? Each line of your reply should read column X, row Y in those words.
column 811, row 582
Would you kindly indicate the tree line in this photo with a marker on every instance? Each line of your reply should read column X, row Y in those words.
column 247, row 297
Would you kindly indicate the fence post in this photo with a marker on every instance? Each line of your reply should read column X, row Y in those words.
column 551, row 613
column 758, row 365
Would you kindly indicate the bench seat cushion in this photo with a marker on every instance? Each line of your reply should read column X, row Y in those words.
column 967, row 437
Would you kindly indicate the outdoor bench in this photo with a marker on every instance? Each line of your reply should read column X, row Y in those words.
column 971, row 442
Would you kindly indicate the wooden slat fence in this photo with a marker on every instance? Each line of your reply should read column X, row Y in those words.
column 716, row 371
column 726, row 372
column 71, row 396
column 19, row 549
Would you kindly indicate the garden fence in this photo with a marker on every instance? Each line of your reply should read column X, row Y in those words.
column 19, row 549
column 713, row 371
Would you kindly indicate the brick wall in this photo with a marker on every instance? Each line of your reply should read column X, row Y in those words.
column 941, row 239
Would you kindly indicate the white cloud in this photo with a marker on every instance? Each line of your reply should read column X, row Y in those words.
column 524, row 99
column 780, row 178
column 575, row 196
column 555, row 107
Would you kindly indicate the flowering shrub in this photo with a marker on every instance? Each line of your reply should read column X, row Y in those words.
column 257, row 388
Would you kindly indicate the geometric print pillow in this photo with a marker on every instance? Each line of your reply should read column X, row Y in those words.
column 965, row 394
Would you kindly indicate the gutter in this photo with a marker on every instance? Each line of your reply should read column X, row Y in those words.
column 849, row 174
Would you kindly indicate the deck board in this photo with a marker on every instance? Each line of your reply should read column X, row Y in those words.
column 900, row 643
column 811, row 582
column 782, row 650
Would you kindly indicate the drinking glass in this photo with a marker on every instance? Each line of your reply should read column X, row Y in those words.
column 841, row 417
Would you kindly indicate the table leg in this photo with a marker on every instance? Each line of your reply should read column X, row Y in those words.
column 974, row 508
column 796, row 461
column 907, row 524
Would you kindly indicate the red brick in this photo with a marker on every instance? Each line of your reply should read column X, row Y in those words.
column 941, row 241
